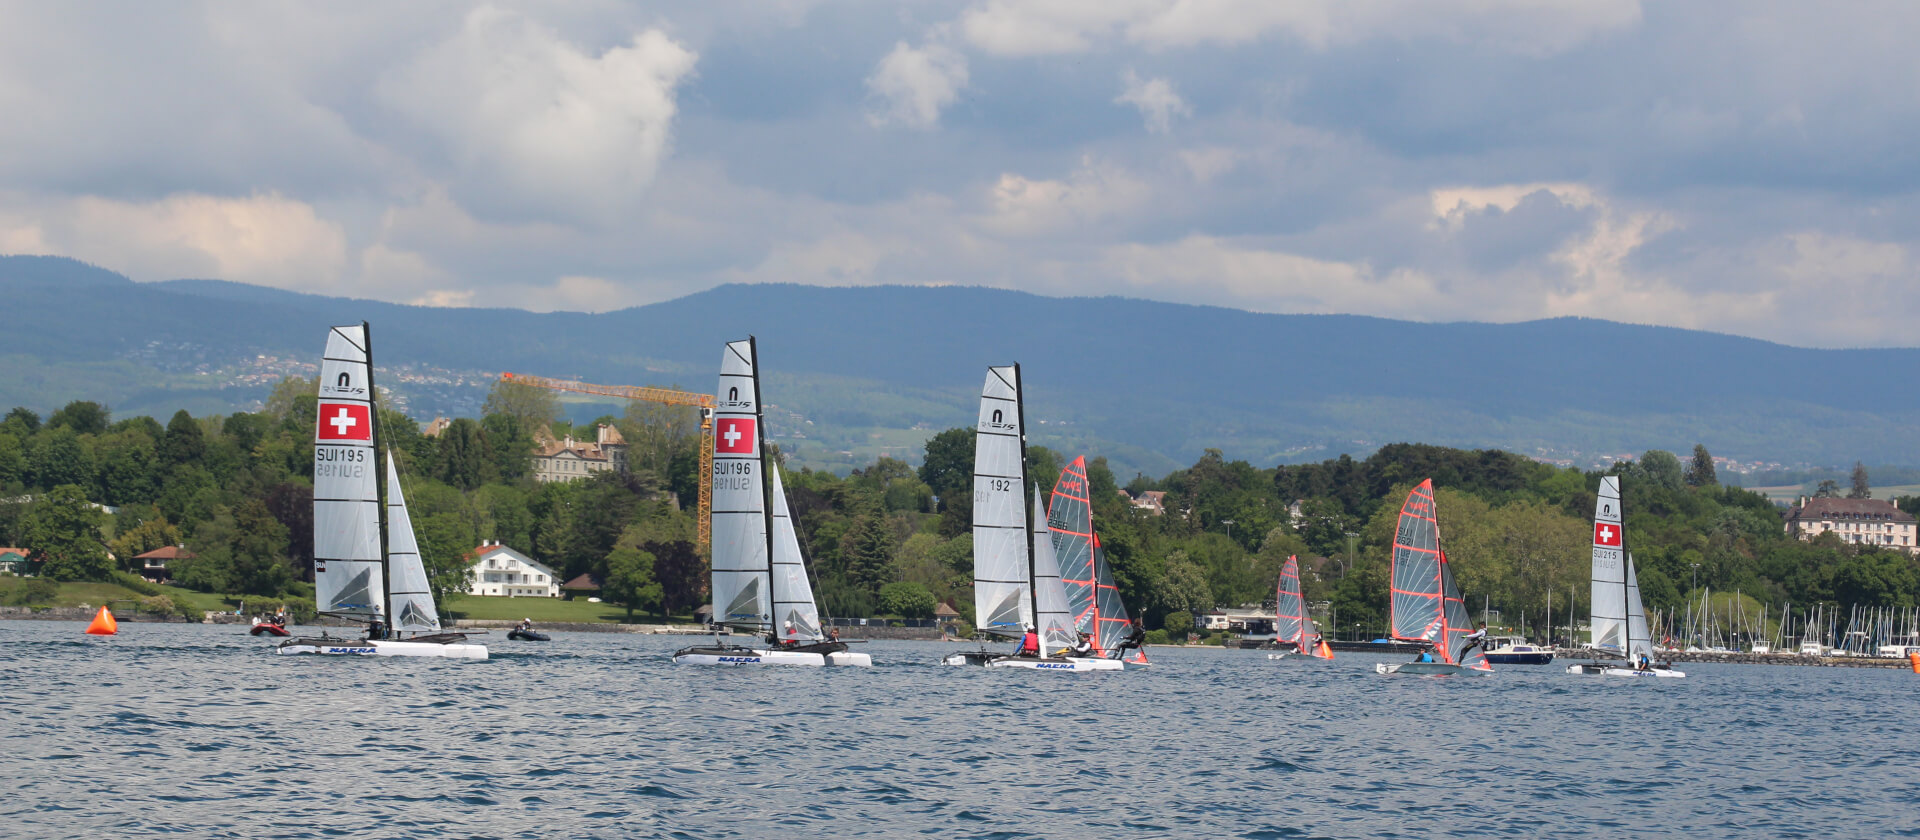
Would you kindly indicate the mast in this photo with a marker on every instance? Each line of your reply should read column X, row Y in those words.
column 379, row 487
column 766, row 508
column 1020, row 411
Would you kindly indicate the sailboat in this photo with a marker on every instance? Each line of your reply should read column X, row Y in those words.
column 1290, row 621
column 1426, row 603
column 759, row 576
column 366, row 562
column 1619, row 618
column 1016, row 578
column 1092, row 595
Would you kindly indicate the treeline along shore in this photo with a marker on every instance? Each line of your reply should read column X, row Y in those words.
column 85, row 492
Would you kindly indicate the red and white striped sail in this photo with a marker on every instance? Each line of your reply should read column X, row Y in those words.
column 1425, row 600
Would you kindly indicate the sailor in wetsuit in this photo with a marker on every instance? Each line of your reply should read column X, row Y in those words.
column 1083, row 646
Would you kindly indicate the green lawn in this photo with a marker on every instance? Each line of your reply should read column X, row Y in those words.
column 501, row 608
column 74, row 594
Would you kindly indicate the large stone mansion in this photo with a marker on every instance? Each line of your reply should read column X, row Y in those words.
column 1857, row 521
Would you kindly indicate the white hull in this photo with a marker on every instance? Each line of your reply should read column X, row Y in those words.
column 1619, row 671
column 751, row 656
column 1426, row 669
column 361, row 647
column 849, row 659
column 1068, row 663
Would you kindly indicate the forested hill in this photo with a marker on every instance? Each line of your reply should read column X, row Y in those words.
column 1148, row 384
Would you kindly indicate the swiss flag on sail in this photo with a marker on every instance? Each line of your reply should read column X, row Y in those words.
column 734, row 436
column 344, row 421
column 1606, row 533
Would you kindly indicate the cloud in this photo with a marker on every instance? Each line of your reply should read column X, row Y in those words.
column 1024, row 207
column 267, row 240
column 1058, row 27
column 913, row 86
column 527, row 124
column 1156, row 99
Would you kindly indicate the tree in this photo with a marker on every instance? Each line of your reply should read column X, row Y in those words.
column 257, row 550
column 184, row 442
column 286, row 392
column 1663, row 468
column 151, row 533
column 1828, row 489
column 59, row 458
column 82, row 416
column 948, row 467
column 1700, row 472
column 13, row 460
column 532, row 408
column 21, row 422
column 63, row 531
column 907, row 600
column 461, row 455
column 866, row 549
column 629, row 580
column 1861, row 489
column 1184, row 587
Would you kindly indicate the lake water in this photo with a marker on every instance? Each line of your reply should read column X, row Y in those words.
column 199, row 731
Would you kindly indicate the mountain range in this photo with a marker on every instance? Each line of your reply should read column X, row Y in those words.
column 863, row 371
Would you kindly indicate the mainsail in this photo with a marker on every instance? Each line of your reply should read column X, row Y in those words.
column 793, row 596
column 412, row 599
column 1289, row 611
column 1070, row 521
column 346, row 491
column 1418, row 611
column 1002, row 597
column 742, row 586
column 1057, row 631
column 1609, row 570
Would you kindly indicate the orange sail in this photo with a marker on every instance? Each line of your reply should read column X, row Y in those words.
column 103, row 624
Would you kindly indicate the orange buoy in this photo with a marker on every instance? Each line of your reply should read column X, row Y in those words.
column 1326, row 650
column 103, row 624
column 1914, row 660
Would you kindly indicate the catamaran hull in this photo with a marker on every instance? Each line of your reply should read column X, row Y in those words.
column 1033, row 663
column 1590, row 668
column 748, row 656
column 1434, row 669
column 362, row 647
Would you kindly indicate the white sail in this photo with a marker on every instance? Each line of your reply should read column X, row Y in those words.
column 346, row 501
column 792, row 594
column 1609, row 570
column 1056, row 616
column 1001, row 600
column 413, row 607
column 1639, row 640
column 741, row 584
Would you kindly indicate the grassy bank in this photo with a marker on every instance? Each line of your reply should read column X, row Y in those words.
column 501, row 608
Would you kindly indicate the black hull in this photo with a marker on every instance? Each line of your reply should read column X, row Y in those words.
column 527, row 636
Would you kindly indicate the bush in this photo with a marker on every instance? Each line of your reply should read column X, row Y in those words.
column 35, row 591
column 136, row 583
column 160, row 605
column 1157, row 637
column 1178, row 623
column 907, row 599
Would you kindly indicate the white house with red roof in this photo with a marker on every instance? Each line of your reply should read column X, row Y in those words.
column 500, row 571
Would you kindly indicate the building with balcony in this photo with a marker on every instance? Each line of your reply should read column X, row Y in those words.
column 571, row 460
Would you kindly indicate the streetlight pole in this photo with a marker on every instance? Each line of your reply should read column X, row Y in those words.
column 1349, row 567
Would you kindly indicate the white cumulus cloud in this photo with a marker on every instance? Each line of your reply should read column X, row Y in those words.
column 1158, row 102
column 531, row 124
column 912, row 86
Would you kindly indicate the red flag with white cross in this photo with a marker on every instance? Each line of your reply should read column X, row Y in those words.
column 344, row 421
column 733, row 436
column 1606, row 533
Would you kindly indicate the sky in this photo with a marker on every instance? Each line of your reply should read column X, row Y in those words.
column 1742, row 167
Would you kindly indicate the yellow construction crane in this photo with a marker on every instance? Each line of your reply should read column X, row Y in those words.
column 664, row 396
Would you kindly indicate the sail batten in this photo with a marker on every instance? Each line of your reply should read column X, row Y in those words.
column 1289, row 609
column 347, row 571
column 1002, row 591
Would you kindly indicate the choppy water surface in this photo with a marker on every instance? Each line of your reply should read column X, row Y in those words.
column 199, row 731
